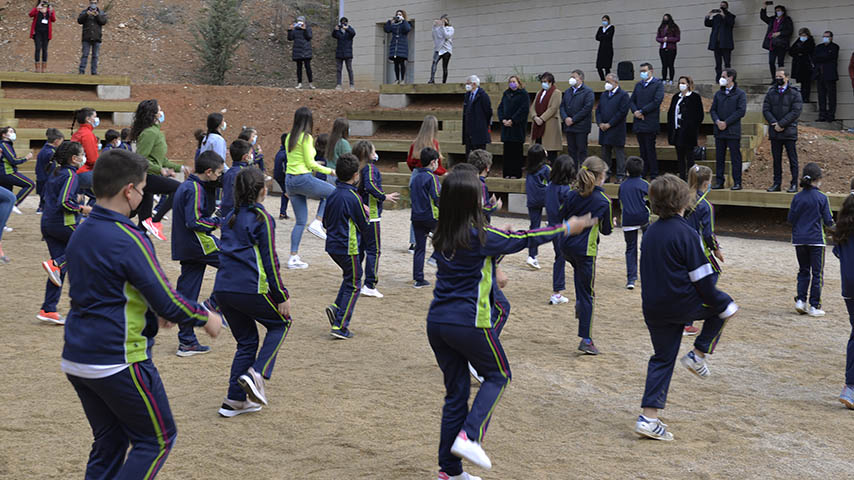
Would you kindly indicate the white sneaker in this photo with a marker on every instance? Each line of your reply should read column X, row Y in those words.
column 533, row 263
column 462, row 476
column 371, row 292
column 295, row 263
column 696, row 364
column 431, row 261
column 299, row 85
column 558, row 299
column 16, row 210
column 253, row 384
column 475, row 374
column 232, row 408
column 338, row 87
column 267, row 178
column 652, row 428
column 470, row 450
column 8, row 229
column 815, row 312
column 801, row 306
column 316, row 229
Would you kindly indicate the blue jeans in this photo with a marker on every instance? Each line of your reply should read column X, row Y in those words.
column 7, row 201
column 95, row 47
column 300, row 188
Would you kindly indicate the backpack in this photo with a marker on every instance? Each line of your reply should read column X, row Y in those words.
column 625, row 71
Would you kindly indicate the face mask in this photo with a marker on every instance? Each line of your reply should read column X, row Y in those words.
column 254, row 140
column 779, row 13
column 96, row 121
column 604, row 23
column 545, row 85
column 12, row 136
column 573, row 82
column 399, row 18
column 644, row 75
column 224, row 126
column 825, row 39
column 117, row 144
column 723, row 82
column 82, row 160
column 780, row 82
column 468, row 87
column 514, row 85
column 250, row 159
column 803, row 39
column 133, row 211
column 683, row 87
column 161, row 118
column 99, row 146
column 609, row 86
column 375, row 158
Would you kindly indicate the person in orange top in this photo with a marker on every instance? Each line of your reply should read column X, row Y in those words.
column 88, row 120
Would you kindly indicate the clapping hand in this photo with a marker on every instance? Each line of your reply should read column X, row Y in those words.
column 393, row 197
column 496, row 202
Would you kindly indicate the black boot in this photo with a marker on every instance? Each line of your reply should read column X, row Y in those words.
column 737, row 186
column 718, row 186
column 793, row 188
column 774, row 188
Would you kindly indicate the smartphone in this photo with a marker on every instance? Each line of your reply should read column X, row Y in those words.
column 769, row 3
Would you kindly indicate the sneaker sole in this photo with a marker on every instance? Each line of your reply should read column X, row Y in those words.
column 54, row 279
column 224, row 412
column 644, row 434
column 317, row 234
column 802, row 311
column 691, row 369
column 51, row 320
column 481, row 464
column 340, row 336
column 588, row 352
column 532, row 267
column 297, row 267
column 688, row 334
column 330, row 315
column 190, row 353
column 847, row 403
column 251, row 390
column 816, row 316
column 371, row 295
column 420, row 286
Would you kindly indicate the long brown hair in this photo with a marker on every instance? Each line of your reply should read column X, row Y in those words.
column 303, row 124
column 844, row 229
column 340, row 129
column 247, row 187
column 426, row 136
column 460, row 209
column 588, row 173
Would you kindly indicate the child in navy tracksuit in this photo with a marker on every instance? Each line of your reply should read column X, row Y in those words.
column 482, row 161
column 280, row 166
column 677, row 285
column 125, row 145
column 54, row 138
column 241, row 157
column 59, row 219
column 635, row 214
column 424, row 189
column 249, row 289
column 843, row 237
column 346, row 223
column 537, row 173
column 9, row 161
column 373, row 196
column 118, row 293
column 580, row 251
column 702, row 218
column 111, row 140
column 193, row 242
column 808, row 211
column 250, row 135
column 460, row 328
column 557, row 193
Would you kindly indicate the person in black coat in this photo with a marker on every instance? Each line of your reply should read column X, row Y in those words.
column 802, row 63
column 605, row 55
column 611, row 117
column 826, row 56
column 398, row 45
column 344, row 33
column 300, row 34
column 782, row 108
column 513, row 113
column 683, row 123
column 576, row 113
column 777, row 36
column 728, row 108
column 721, row 41
column 645, row 104
column 477, row 116
column 92, row 19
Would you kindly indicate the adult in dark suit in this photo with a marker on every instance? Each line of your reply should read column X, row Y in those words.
column 721, row 41
column 576, row 113
column 826, row 56
column 611, row 117
column 477, row 116
column 683, row 123
column 782, row 108
column 513, row 114
column 802, row 63
column 778, row 36
column 645, row 104
column 728, row 108
column 605, row 54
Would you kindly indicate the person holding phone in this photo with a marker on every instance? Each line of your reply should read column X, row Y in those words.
column 41, row 31
column 722, row 22
column 398, row 46
column 344, row 33
column 300, row 34
column 777, row 36
column 92, row 19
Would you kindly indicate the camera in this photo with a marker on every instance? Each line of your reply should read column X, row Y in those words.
column 769, row 3
column 717, row 10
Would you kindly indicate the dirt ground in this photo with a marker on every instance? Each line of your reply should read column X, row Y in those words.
column 370, row 407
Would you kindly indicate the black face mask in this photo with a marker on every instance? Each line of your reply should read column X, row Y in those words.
column 780, row 81
column 211, row 184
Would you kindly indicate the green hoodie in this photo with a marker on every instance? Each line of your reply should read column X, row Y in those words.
column 151, row 144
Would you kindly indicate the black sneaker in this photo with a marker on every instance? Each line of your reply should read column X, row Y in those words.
column 330, row 314
column 421, row 284
column 718, row 186
column 736, row 187
column 588, row 348
column 411, row 248
column 793, row 188
column 341, row 333
column 190, row 350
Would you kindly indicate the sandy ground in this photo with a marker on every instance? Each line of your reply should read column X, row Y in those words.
column 370, row 407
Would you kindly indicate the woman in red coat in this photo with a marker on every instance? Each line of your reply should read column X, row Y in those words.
column 41, row 31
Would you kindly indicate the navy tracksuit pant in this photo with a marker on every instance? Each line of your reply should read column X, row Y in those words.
column 455, row 346
column 583, row 276
column 351, row 286
column 422, row 229
column 631, row 237
column 243, row 310
column 372, row 254
column 500, row 310
column 190, row 285
column 559, row 268
column 849, row 358
column 536, row 216
column 17, row 180
column 666, row 338
column 57, row 238
column 810, row 273
column 129, row 408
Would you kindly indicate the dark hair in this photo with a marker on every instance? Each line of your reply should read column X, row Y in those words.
column 246, row 133
column 344, row 20
column 303, row 124
column 284, row 139
column 460, row 210
column 647, row 65
column 844, row 228
column 811, row 173
column 247, row 186
column 199, row 134
column 671, row 25
column 5, row 130
column 320, row 144
column 669, row 195
column 212, row 123
column 428, row 155
column 480, row 159
column 362, row 150
column 547, row 77
column 578, row 72
column 115, row 169
column 81, row 115
column 727, row 3
column 340, row 129
column 111, row 135
column 829, row 32
column 143, row 118
column 587, row 175
column 780, row 7
column 806, row 31
column 53, row 134
column 63, row 155
column 535, row 159
column 731, row 73
column 634, row 166
column 125, row 133
column 238, row 149
column 346, row 167
column 208, row 160
column 563, row 170
column 606, row 17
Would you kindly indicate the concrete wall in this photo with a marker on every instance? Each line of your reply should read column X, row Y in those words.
column 496, row 38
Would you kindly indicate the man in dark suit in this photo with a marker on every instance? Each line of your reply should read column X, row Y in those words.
column 477, row 116
column 782, row 108
column 825, row 56
column 576, row 113
column 611, row 117
column 720, row 40
column 645, row 104
column 728, row 108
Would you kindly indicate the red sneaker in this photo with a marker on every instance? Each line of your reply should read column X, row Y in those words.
column 155, row 229
column 52, row 317
column 53, row 272
column 690, row 330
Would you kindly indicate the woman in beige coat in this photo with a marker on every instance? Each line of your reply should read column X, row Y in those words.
column 545, row 111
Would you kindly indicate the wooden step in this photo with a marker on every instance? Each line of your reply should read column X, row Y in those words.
column 63, row 78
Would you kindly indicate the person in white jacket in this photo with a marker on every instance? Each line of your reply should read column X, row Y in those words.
column 443, row 44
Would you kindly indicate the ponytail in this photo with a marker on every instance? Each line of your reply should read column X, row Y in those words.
column 698, row 175
column 812, row 173
column 62, row 156
column 247, row 187
column 588, row 173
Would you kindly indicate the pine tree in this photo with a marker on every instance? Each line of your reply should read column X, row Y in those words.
column 217, row 36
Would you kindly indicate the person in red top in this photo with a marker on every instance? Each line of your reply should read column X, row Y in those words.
column 426, row 138
column 88, row 120
column 41, row 31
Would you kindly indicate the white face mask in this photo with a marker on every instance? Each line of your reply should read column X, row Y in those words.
column 545, row 85
column 375, row 158
column 82, row 160
column 224, row 126
column 573, row 82
column 12, row 136
column 468, row 87
column 723, row 82
column 683, row 87
column 803, row 39
column 609, row 86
